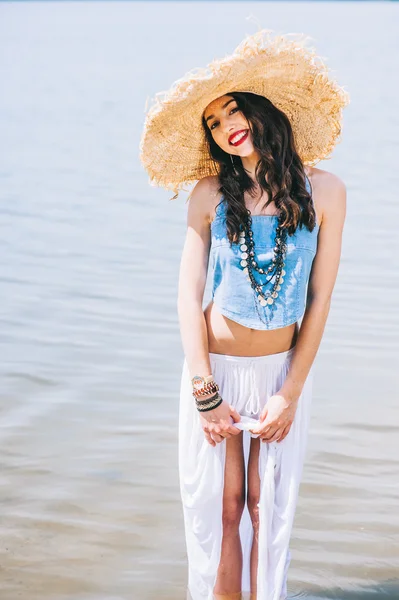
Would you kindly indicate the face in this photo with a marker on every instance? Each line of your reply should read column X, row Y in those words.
column 228, row 126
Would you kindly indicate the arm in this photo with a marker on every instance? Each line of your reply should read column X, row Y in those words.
column 192, row 279
column 321, row 284
column 217, row 423
column 279, row 414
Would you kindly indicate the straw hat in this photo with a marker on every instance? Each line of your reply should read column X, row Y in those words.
column 173, row 148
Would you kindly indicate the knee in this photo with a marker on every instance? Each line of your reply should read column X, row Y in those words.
column 253, row 509
column 232, row 511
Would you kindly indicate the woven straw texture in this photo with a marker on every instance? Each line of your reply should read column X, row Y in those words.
column 282, row 68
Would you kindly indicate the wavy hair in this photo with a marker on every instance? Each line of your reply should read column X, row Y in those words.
column 273, row 139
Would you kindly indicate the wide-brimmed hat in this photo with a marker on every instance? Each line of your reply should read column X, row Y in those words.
column 173, row 147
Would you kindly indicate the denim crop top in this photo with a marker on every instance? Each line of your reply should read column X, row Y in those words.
column 232, row 292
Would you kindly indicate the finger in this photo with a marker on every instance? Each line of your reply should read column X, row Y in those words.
column 209, row 439
column 263, row 415
column 261, row 430
column 234, row 431
column 267, row 435
column 285, row 433
column 224, row 428
column 217, row 438
column 276, row 436
column 234, row 414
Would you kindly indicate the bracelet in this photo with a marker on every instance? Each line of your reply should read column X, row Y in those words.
column 198, row 381
column 201, row 402
column 209, row 388
column 211, row 405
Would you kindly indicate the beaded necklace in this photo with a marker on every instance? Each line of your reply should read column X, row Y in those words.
column 250, row 264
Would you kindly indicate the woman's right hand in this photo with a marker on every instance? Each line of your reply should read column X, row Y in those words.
column 217, row 424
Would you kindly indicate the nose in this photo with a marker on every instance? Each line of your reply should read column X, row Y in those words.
column 226, row 125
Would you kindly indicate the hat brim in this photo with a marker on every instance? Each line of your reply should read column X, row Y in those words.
column 173, row 148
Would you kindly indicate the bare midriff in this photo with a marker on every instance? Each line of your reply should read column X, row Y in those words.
column 228, row 337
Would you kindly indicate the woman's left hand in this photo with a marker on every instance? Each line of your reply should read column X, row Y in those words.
column 276, row 418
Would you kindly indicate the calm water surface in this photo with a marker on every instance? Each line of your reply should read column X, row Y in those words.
column 90, row 348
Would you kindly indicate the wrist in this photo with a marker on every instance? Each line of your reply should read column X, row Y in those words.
column 291, row 391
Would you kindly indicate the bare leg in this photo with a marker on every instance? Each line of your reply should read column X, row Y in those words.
column 228, row 582
column 253, row 500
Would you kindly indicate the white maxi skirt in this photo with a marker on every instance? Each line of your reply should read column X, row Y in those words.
column 246, row 383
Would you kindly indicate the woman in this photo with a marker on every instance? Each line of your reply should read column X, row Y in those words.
column 267, row 231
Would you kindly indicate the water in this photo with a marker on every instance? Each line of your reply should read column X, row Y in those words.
column 90, row 347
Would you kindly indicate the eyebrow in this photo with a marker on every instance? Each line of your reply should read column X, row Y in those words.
column 224, row 106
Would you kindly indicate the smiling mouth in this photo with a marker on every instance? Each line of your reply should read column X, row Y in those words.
column 239, row 137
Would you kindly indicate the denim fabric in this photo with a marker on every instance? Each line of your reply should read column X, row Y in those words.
column 232, row 292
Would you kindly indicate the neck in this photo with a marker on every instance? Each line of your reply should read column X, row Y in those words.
column 249, row 163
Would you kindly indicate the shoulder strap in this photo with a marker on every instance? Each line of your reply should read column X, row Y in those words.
column 307, row 182
column 308, row 187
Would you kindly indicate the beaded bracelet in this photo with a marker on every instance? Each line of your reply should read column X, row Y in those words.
column 200, row 402
column 211, row 404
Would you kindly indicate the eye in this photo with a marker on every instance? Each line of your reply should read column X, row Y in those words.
column 215, row 123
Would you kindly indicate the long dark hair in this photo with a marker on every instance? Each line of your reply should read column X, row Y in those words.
column 274, row 140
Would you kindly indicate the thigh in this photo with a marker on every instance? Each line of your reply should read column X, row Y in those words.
column 234, row 472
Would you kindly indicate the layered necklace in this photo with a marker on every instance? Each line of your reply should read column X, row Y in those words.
column 274, row 272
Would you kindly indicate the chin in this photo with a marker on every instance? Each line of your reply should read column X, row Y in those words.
column 244, row 152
